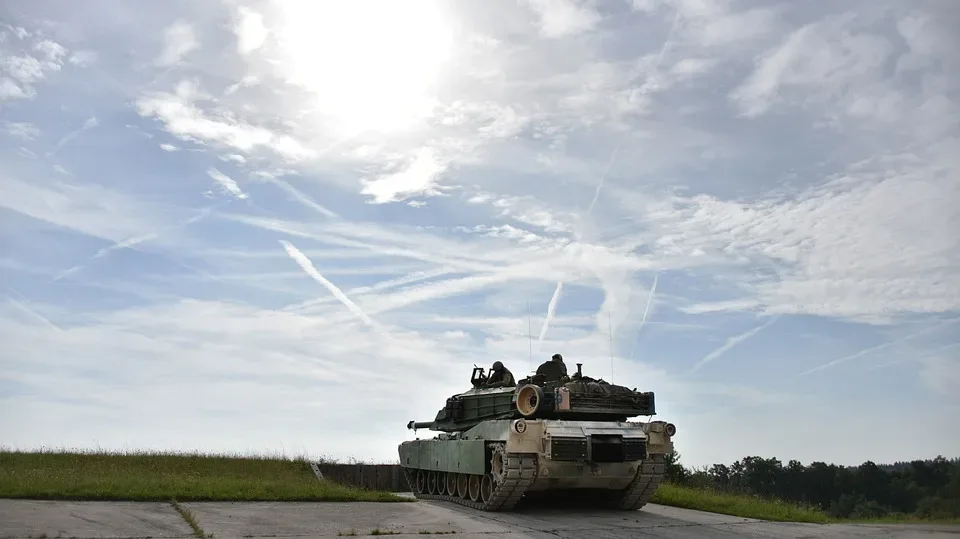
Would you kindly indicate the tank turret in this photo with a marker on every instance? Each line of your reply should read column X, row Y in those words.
column 549, row 433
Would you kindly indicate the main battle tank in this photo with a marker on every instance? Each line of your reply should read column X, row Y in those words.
column 549, row 435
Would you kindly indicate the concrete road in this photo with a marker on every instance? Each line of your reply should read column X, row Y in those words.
column 25, row 518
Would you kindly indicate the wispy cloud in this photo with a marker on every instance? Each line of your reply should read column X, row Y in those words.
column 418, row 177
column 226, row 183
column 27, row 58
column 179, row 39
column 21, row 130
column 250, row 30
column 560, row 18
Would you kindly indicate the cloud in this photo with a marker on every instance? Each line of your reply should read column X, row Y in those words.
column 226, row 183
column 179, row 40
column 184, row 120
column 560, row 18
column 21, row 130
column 828, row 263
column 26, row 59
column 251, row 33
column 419, row 177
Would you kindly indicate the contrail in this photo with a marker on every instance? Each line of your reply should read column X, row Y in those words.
column 666, row 42
column 603, row 177
column 922, row 357
column 307, row 266
column 551, row 310
column 733, row 341
column 643, row 319
column 302, row 198
column 88, row 124
column 26, row 309
column 653, row 289
column 552, row 307
column 378, row 287
column 866, row 351
column 136, row 240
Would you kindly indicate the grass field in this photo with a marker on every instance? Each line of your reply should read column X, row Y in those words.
column 164, row 476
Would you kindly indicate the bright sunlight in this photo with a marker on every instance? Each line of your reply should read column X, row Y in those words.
column 371, row 65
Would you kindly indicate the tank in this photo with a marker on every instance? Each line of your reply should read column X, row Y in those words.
column 548, row 436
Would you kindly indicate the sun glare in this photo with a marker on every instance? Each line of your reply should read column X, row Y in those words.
column 371, row 65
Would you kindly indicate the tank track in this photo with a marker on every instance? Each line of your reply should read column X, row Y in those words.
column 638, row 493
column 519, row 472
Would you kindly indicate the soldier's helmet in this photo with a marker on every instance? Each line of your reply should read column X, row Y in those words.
column 557, row 357
column 497, row 366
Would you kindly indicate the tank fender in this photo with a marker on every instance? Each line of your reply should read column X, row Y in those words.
column 464, row 456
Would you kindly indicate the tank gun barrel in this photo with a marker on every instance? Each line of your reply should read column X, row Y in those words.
column 414, row 425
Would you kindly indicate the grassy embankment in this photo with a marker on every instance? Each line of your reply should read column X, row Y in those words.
column 736, row 505
column 66, row 475
column 746, row 506
column 193, row 477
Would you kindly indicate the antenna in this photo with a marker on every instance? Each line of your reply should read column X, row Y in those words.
column 610, row 333
column 529, row 337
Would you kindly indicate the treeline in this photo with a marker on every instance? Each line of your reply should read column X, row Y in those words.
column 928, row 489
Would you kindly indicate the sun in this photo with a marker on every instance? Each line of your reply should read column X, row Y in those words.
column 367, row 65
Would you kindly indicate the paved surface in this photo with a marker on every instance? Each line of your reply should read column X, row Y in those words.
column 25, row 518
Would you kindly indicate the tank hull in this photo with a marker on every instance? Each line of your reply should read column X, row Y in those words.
column 497, row 463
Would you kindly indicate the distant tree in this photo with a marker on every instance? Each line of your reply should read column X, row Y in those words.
column 924, row 488
column 675, row 472
column 720, row 475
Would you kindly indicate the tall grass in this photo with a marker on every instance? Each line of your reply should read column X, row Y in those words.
column 739, row 505
column 756, row 507
column 143, row 476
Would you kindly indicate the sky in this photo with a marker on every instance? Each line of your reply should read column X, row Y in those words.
column 290, row 227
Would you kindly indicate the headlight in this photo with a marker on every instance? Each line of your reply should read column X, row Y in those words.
column 520, row 426
column 671, row 429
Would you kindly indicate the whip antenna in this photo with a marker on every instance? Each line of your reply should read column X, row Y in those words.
column 610, row 333
column 529, row 337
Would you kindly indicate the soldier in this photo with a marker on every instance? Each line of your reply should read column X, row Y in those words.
column 558, row 359
column 500, row 376
column 553, row 370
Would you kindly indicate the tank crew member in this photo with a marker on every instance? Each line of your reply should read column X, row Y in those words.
column 553, row 370
column 558, row 359
column 500, row 376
